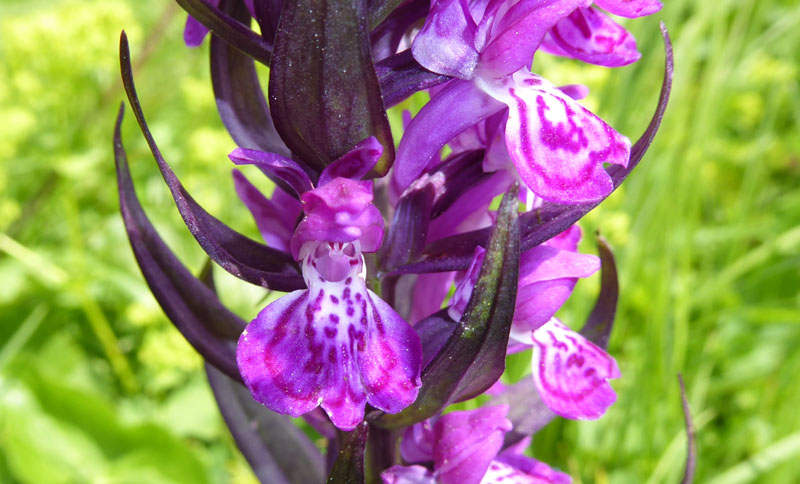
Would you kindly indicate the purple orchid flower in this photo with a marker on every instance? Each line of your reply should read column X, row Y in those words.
column 336, row 344
column 557, row 146
column 570, row 373
column 465, row 449
column 591, row 36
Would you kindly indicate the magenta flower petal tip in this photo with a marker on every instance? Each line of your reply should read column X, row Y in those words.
column 571, row 373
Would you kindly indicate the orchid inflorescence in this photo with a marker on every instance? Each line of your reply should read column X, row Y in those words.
column 384, row 325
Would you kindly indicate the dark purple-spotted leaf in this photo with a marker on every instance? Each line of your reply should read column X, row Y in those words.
column 188, row 302
column 277, row 450
column 229, row 29
column 597, row 328
column 387, row 36
column 323, row 90
column 527, row 410
column 473, row 358
column 349, row 465
column 239, row 255
column 240, row 100
column 401, row 76
column 544, row 223
column 691, row 437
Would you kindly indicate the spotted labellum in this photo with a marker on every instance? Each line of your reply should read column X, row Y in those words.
column 399, row 279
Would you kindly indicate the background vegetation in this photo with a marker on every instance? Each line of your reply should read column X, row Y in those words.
column 97, row 387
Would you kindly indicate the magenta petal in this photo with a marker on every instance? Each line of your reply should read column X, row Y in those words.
column 275, row 165
column 275, row 218
column 547, row 277
column 407, row 475
column 630, row 8
column 194, row 32
column 502, row 472
column 571, row 373
column 446, row 43
column 391, row 366
column 466, row 442
column 335, row 345
column 279, row 365
column 456, row 107
column 355, row 164
column 517, row 34
column 592, row 37
column 557, row 145
column 417, row 443
column 340, row 211
column 430, row 290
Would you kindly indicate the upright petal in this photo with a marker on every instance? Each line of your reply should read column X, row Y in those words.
column 630, row 8
column 548, row 274
column 456, row 107
column 446, row 43
column 274, row 165
column 355, row 164
column 194, row 33
column 514, row 30
column 340, row 211
column 571, row 373
column 588, row 35
column 557, row 145
column 275, row 218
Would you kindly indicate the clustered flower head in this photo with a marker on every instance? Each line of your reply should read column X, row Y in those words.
column 405, row 290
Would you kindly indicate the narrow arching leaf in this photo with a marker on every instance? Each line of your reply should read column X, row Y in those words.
column 188, row 302
column 239, row 255
column 473, row 358
column 691, row 437
column 229, row 29
column 240, row 100
column 323, row 90
column 455, row 253
column 598, row 326
column 277, row 450
column 349, row 465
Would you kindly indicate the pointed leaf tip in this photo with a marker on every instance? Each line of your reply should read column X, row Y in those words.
column 189, row 303
column 601, row 320
column 691, row 437
column 239, row 255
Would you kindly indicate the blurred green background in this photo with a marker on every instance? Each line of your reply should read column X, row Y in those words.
column 97, row 387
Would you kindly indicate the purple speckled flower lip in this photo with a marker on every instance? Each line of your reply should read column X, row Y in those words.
column 336, row 344
column 404, row 289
